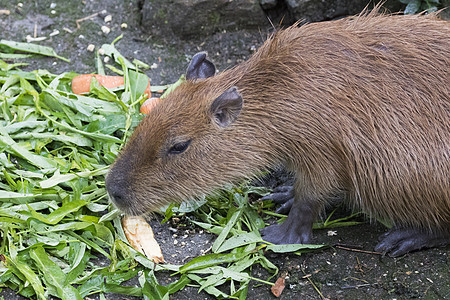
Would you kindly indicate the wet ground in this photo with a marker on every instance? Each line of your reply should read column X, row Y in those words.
column 341, row 272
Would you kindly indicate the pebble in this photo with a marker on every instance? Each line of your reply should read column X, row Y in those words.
column 90, row 47
column 106, row 29
column 108, row 18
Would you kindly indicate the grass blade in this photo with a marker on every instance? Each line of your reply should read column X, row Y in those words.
column 32, row 48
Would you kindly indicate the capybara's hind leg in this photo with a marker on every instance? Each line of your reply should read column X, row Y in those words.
column 399, row 241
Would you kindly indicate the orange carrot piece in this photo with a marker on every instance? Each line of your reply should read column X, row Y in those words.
column 149, row 104
column 82, row 83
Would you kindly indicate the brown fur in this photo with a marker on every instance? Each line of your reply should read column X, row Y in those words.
column 358, row 107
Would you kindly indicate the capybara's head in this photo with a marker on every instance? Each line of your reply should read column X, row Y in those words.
column 188, row 145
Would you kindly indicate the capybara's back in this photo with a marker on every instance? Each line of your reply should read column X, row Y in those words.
column 357, row 108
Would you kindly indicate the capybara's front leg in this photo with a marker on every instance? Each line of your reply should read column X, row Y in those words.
column 297, row 228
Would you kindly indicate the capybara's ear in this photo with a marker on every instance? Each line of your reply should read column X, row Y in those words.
column 226, row 108
column 200, row 67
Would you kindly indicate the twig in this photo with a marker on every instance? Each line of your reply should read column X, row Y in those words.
column 307, row 276
column 357, row 250
column 357, row 286
column 85, row 18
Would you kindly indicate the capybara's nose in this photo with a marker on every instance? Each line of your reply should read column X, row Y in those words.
column 117, row 190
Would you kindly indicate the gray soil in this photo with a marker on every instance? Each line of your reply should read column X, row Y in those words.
column 334, row 273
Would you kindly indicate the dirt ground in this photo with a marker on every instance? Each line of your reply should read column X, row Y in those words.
column 334, row 273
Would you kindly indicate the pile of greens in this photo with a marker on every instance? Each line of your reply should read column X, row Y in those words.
column 56, row 222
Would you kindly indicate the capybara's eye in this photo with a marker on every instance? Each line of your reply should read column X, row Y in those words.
column 179, row 147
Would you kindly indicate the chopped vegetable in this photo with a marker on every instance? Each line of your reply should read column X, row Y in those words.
column 82, row 83
column 140, row 235
column 148, row 105
column 32, row 48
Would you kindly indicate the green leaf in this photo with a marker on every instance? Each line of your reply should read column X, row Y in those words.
column 123, row 290
column 13, row 196
column 412, row 7
column 239, row 240
column 178, row 285
column 223, row 235
column 111, row 51
column 152, row 290
column 209, row 289
column 12, row 147
column 293, row 247
column 53, row 274
column 58, row 178
column 172, row 87
column 32, row 48
column 211, row 260
column 79, row 260
column 28, row 273
column 55, row 216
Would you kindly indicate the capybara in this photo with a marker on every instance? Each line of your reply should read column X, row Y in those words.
column 357, row 108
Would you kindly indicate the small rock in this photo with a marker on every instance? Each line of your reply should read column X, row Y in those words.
column 90, row 47
column 106, row 29
column 108, row 18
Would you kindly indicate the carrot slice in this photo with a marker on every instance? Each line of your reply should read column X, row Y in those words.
column 82, row 83
column 149, row 104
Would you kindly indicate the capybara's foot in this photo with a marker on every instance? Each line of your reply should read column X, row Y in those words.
column 399, row 241
column 296, row 229
column 285, row 233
